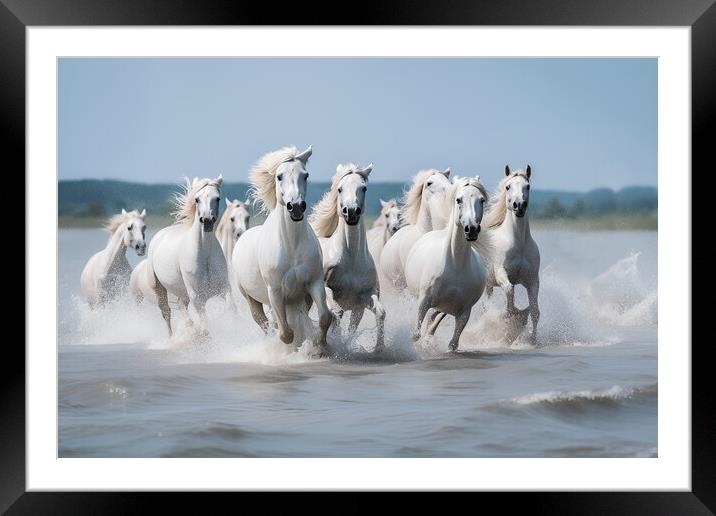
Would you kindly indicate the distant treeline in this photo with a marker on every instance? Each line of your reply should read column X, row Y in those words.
column 100, row 198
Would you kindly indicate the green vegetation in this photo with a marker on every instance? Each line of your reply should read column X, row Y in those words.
column 88, row 203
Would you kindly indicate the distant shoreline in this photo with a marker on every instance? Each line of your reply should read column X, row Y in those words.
column 614, row 222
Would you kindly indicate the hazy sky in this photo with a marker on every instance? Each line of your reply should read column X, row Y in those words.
column 580, row 123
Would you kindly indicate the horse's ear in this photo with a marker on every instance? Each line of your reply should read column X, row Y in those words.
column 367, row 170
column 228, row 202
column 383, row 204
column 220, row 179
column 477, row 178
column 507, row 170
column 446, row 172
column 124, row 212
column 143, row 214
column 529, row 171
column 303, row 157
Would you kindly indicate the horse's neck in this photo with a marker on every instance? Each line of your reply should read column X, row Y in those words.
column 292, row 233
column 116, row 251
column 425, row 218
column 204, row 240
column 226, row 238
column 519, row 227
column 386, row 234
column 351, row 239
column 458, row 249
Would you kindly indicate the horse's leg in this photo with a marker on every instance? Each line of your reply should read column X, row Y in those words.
column 356, row 316
column 163, row 302
column 437, row 319
column 509, row 288
column 423, row 307
column 532, row 294
column 257, row 311
column 278, row 307
column 379, row 311
column 317, row 290
column 460, row 323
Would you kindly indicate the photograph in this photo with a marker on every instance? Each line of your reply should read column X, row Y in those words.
column 373, row 257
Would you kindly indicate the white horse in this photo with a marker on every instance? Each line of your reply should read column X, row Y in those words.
column 423, row 210
column 233, row 223
column 384, row 227
column 185, row 259
column 443, row 269
column 279, row 263
column 514, row 255
column 350, row 274
column 106, row 274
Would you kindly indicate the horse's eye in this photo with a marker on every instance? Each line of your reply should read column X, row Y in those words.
column 130, row 227
column 306, row 175
column 528, row 187
column 196, row 200
column 232, row 219
column 507, row 187
column 430, row 183
column 279, row 177
column 386, row 215
column 459, row 201
column 365, row 188
column 340, row 190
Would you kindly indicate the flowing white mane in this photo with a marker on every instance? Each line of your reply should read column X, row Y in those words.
column 324, row 218
column 414, row 196
column 262, row 176
column 380, row 221
column 117, row 220
column 184, row 205
column 497, row 209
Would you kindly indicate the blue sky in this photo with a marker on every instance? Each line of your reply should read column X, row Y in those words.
column 580, row 123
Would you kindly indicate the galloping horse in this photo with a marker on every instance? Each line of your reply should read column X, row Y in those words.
column 423, row 211
column 185, row 259
column 233, row 223
column 106, row 274
column 515, row 256
column 279, row 263
column 384, row 227
column 443, row 269
column 351, row 278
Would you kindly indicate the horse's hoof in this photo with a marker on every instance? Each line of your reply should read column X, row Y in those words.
column 452, row 347
column 287, row 337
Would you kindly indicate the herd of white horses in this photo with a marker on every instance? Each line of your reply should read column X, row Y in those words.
column 447, row 243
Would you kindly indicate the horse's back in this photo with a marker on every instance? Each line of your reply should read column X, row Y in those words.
column 422, row 255
column 245, row 265
column 163, row 258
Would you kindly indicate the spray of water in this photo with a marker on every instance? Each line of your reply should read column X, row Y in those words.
column 573, row 313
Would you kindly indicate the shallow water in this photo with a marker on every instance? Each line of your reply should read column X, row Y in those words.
column 588, row 389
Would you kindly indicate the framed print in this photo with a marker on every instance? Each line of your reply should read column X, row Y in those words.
column 435, row 250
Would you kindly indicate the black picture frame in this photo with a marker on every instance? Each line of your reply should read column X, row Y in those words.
column 16, row 15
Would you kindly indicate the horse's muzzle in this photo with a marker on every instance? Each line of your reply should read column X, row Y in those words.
column 351, row 215
column 471, row 233
column 296, row 209
column 140, row 249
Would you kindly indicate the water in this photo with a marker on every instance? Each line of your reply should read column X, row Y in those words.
column 588, row 389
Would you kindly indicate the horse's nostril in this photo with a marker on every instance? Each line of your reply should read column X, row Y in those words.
column 345, row 211
column 201, row 219
column 467, row 229
column 289, row 206
column 213, row 219
column 303, row 205
column 358, row 210
column 514, row 205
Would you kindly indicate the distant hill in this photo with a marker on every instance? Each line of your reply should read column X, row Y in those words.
column 99, row 198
